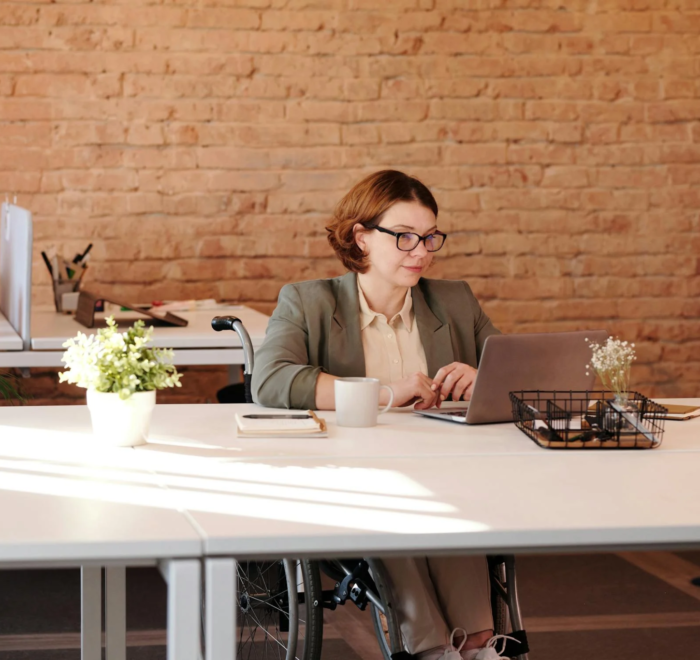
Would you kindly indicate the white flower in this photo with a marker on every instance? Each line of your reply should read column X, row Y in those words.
column 110, row 361
column 612, row 362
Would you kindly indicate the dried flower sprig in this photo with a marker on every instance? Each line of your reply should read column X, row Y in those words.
column 111, row 361
column 612, row 362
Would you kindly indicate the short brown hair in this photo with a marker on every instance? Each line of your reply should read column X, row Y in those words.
column 365, row 204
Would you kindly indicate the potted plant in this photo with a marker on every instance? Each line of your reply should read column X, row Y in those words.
column 121, row 375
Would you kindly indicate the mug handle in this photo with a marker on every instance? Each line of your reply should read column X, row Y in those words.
column 391, row 398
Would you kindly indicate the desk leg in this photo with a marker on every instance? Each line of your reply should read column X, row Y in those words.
column 115, row 613
column 220, row 612
column 91, row 613
column 183, row 578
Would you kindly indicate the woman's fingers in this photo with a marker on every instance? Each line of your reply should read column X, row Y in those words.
column 457, row 381
column 463, row 387
column 470, row 390
column 428, row 399
column 423, row 390
column 442, row 373
column 450, row 381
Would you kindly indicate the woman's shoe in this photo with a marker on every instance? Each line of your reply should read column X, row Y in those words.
column 448, row 652
column 489, row 651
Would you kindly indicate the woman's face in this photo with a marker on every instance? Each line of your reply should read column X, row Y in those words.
column 395, row 266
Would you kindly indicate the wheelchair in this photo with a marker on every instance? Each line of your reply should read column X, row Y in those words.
column 281, row 603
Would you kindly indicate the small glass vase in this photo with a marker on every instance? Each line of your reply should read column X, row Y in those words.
column 616, row 417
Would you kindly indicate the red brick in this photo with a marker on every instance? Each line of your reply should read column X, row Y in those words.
column 673, row 111
column 635, row 21
column 556, row 110
column 475, row 154
column 565, row 177
column 543, row 154
column 566, row 132
column 629, row 177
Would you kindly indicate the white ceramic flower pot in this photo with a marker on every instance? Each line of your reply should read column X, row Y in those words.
column 120, row 422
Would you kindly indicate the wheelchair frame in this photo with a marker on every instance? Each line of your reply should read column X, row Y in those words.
column 366, row 582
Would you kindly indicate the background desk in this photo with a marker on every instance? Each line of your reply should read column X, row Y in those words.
column 9, row 339
column 197, row 344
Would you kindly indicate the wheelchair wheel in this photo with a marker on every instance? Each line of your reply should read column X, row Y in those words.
column 280, row 611
column 386, row 625
column 381, row 630
column 499, row 607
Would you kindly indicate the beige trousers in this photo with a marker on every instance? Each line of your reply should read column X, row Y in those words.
column 435, row 595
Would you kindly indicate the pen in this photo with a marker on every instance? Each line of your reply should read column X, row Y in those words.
column 82, row 272
column 277, row 416
column 80, row 257
column 54, row 269
column 47, row 262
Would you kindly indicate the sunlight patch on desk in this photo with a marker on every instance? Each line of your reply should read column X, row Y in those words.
column 329, row 477
column 252, row 507
column 167, row 441
column 308, row 494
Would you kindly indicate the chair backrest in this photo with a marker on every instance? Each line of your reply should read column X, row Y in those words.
column 220, row 323
column 16, row 269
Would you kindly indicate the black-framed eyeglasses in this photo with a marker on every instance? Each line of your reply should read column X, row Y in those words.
column 407, row 241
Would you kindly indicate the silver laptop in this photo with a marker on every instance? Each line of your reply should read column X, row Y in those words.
column 542, row 361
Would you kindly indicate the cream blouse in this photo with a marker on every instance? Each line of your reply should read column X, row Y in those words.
column 393, row 349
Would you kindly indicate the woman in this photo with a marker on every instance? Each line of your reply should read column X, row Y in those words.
column 422, row 337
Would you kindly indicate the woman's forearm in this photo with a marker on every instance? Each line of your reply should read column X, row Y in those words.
column 325, row 392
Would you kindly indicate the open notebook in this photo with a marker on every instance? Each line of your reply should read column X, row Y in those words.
column 279, row 425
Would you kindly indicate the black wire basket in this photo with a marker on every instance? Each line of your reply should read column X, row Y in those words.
column 588, row 420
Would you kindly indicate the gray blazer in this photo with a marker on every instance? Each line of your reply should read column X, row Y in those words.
column 316, row 327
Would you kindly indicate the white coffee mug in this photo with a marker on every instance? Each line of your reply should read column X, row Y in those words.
column 357, row 401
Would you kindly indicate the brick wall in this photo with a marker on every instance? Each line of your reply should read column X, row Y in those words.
column 201, row 144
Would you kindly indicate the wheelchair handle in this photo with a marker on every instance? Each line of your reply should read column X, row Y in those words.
column 220, row 323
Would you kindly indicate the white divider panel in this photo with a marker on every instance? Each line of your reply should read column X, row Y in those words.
column 16, row 269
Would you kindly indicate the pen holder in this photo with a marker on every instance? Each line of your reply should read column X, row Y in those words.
column 65, row 295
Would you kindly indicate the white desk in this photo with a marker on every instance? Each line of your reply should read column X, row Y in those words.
column 9, row 339
column 410, row 486
column 196, row 344
column 203, row 431
column 66, row 502
column 491, row 491
column 480, row 504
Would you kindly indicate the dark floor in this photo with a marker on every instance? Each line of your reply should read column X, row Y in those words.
column 577, row 607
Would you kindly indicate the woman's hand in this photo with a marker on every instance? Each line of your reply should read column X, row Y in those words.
column 456, row 379
column 415, row 389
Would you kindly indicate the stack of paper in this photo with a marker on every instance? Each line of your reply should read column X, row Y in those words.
column 274, row 425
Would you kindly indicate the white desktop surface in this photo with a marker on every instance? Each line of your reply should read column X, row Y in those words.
column 192, row 434
column 66, row 500
column 203, row 430
column 9, row 339
column 51, row 329
column 380, row 490
column 483, row 504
